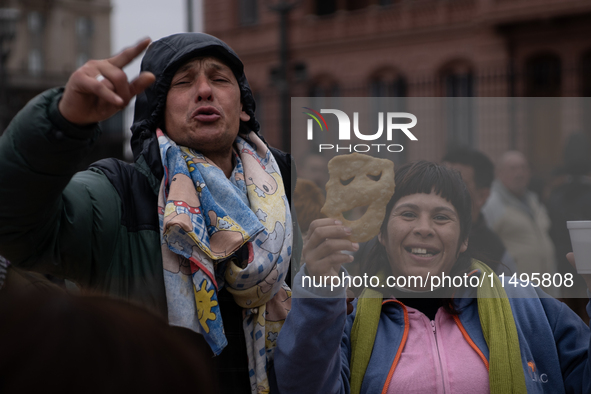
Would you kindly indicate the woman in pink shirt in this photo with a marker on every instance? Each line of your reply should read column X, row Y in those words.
column 429, row 334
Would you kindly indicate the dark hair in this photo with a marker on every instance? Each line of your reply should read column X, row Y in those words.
column 484, row 169
column 426, row 177
column 67, row 344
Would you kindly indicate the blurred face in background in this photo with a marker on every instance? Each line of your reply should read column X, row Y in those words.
column 315, row 168
column 513, row 172
column 479, row 195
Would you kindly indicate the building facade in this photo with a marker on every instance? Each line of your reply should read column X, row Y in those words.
column 52, row 39
column 425, row 48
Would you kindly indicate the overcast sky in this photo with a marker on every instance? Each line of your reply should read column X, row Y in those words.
column 132, row 20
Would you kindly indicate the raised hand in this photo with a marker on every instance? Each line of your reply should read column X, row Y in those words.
column 323, row 244
column 100, row 88
column 587, row 277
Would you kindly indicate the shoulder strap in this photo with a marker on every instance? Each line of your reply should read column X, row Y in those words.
column 363, row 335
column 505, row 373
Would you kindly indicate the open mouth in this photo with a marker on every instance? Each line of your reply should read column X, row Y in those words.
column 355, row 213
column 422, row 252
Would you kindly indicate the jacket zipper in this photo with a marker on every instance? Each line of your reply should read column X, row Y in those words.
column 470, row 341
column 400, row 347
column 438, row 355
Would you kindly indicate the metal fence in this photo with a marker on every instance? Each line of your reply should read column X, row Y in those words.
column 539, row 128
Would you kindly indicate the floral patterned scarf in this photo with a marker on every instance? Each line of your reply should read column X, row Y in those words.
column 234, row 232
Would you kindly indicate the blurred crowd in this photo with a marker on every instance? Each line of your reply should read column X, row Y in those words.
column 518, row 221
column 105, row 345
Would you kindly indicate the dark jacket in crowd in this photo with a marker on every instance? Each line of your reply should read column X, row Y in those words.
column 485, row 245
column 569, row 201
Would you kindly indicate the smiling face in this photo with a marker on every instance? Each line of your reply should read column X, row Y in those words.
column 359, row 182
column 203, row 108
column 422, row 235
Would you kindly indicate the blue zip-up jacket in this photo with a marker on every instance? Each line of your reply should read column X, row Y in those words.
column 314, row 346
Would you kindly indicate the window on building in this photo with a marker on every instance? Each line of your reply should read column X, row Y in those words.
column 586, row 74
column 35, row 22
column 35, row 61
column 458, row 84
column 543, row 76
column 249, row 13
column 84, row 27
column 543, row 117
column 387, row 89
column 387, row 83
column 35, row 27
column 326, row 7
column 326, row 88
column 352, row 5
column 84, row 33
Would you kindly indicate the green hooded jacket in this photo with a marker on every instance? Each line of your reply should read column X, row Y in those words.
column 99, row 228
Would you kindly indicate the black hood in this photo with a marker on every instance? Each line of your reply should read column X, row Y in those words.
column 163, row 58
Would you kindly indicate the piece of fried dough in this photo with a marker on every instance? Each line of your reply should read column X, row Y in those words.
column 358, row 180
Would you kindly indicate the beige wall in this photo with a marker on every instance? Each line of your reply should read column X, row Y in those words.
column 58, row 39
column 418, row 40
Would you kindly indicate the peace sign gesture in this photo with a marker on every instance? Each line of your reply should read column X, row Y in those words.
column 100, row 88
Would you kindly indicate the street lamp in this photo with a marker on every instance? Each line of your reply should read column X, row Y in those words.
column 8, row 20
column 283, row 8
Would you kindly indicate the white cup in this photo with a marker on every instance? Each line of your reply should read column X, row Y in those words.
column 580, row 238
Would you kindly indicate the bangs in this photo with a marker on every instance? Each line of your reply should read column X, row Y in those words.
column 426, row 177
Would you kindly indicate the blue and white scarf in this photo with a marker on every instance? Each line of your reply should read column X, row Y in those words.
column 218, row 232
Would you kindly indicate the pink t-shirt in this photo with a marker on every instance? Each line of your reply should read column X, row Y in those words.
column 437, row 359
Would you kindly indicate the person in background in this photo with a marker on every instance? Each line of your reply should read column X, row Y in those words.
column 518, row 217
column 308, row 200
column 410, row 338
column 571, row 200
column 59, row 343
column 15, row 282
column 478, row 173
column 314, row 167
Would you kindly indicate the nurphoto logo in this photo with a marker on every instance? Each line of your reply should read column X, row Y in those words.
column 344, row 133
